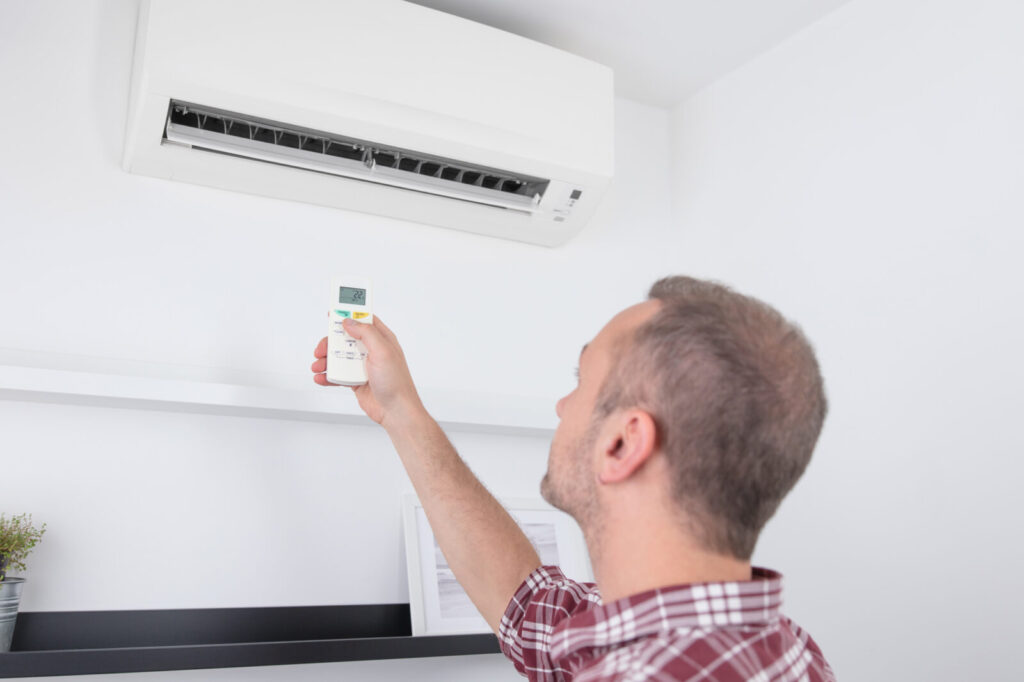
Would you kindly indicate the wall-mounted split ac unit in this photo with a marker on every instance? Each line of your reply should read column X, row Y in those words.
column 378, row 106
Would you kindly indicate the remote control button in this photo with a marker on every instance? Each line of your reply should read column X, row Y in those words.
column 359, row 316
column 344, row 313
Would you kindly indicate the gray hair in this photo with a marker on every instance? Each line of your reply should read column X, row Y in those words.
column 738, row 400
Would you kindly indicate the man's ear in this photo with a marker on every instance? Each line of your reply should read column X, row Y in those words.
column 630, row 442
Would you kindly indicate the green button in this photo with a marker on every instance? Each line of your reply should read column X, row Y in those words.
column 343, row 313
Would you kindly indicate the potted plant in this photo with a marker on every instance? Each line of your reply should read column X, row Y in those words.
column 17, row 538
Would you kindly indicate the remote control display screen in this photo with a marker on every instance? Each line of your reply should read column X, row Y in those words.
column 352, row 296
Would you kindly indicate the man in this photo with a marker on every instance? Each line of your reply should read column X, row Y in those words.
column 694, row 414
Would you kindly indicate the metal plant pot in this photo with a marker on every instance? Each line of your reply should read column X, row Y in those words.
column 10, row 595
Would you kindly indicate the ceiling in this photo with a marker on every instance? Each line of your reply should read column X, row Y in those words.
column 662, row 51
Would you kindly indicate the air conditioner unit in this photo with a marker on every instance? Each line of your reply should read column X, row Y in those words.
column 378, row 106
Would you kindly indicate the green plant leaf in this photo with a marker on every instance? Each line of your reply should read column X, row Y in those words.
column 18, row 537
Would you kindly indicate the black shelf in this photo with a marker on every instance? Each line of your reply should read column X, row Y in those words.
column 91, row 642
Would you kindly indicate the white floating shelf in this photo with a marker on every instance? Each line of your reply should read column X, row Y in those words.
column 460, row 411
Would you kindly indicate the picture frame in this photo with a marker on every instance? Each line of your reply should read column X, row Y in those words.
column 437, row 603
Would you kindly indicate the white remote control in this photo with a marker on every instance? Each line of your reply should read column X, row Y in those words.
column 346, row 357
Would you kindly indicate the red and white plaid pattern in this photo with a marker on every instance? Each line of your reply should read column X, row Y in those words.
column 557, row 630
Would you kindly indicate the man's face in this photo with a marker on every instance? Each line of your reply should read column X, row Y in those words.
column 570, row 483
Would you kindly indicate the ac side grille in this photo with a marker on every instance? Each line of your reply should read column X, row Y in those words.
column 241, row 135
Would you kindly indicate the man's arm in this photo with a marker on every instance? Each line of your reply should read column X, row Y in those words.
column 486, row 550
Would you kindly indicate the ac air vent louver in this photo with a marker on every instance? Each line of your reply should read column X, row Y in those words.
column 251, row 137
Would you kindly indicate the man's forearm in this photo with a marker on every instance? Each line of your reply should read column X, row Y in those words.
column 486, row 550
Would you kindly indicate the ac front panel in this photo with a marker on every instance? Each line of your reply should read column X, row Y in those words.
column 216, row 130
column 386, row 71
column 270, row 180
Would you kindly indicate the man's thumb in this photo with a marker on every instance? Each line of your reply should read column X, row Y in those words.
column 351, row 328
column 358, row 330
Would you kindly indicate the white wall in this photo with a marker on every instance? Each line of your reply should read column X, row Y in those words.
column 160, row 510
column 866, row 176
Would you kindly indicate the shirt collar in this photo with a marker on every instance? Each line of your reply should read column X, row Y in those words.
column 693, row 606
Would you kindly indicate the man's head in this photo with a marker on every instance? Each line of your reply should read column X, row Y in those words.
column 714, row 390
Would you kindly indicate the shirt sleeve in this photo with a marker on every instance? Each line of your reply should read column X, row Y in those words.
column 544, row 599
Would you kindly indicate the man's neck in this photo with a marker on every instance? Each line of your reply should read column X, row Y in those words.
column 630, row 557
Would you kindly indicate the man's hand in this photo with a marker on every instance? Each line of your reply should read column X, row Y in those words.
column 389, row 394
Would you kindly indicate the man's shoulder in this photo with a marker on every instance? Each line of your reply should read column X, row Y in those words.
column 549, row 584
column 782, row 653
column 720, row 632
column 545, row 599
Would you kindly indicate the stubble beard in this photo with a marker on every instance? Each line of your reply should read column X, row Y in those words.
column 568, row 483
column 571, row 488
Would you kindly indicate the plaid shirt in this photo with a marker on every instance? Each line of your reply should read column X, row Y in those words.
column 557, row 630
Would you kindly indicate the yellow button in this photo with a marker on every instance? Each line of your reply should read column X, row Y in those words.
column 360, row 316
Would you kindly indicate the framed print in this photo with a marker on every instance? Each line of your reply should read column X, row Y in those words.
column 437, row 602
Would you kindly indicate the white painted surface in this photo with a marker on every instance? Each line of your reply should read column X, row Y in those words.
column 161, row 510
column 455, row 410
column 866, row 177
column 662, row 51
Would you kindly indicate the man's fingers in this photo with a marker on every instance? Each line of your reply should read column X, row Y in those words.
column 386, row 330
column 319, row 365
column 322, row 380
column 370, row 336
column 321, row 349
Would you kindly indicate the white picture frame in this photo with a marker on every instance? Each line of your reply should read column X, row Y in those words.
column 437, row 603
